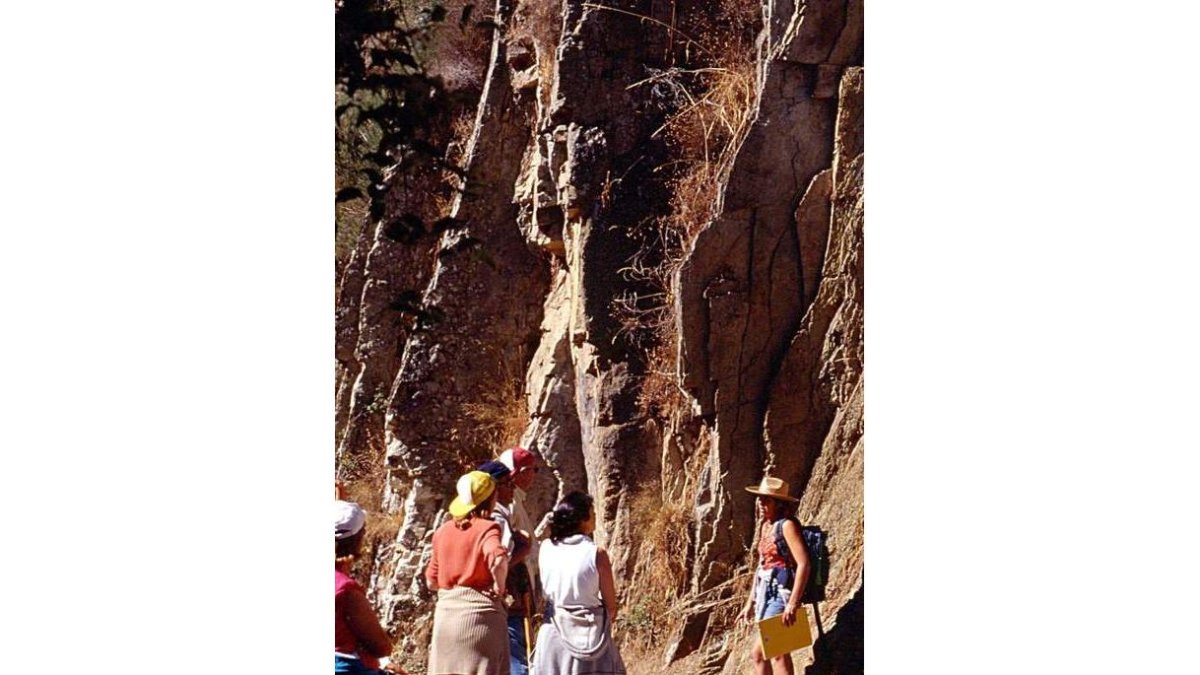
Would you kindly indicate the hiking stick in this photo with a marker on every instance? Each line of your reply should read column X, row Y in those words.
column 817, row 615
column 528, row 643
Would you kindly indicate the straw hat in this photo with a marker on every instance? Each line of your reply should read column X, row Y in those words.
column 473, row 489
column 773, row 487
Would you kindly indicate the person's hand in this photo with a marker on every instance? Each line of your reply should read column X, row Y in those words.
column 748, row 614
column 789, row 614
column 393, row 667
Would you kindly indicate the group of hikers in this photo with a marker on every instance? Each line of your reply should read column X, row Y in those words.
column 499, row 581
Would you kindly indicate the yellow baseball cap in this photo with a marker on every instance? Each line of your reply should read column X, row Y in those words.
column 473, row 489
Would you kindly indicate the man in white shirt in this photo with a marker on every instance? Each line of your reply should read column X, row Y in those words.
column 510, row 498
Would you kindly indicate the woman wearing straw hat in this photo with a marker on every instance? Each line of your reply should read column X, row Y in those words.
column 779, row 579
column 358, row 639
column 468, row 570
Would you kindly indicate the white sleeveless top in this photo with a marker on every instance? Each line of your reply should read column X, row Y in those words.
column 568, row 572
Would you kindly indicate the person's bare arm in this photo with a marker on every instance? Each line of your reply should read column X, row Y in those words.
column 361, row 619
column 499, row 569
column 747, row 613
column 608, row 586
column 497, row 559
column 431, row 570
column 791, row 534
column 521, row 547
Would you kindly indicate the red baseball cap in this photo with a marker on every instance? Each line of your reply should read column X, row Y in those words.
column 517, row 459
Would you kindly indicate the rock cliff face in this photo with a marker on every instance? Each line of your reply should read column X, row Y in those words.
column 662, row 315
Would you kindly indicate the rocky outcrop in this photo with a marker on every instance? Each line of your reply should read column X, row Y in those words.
column 378, row 289
column 742, row 297
column 480, row 341
column 753, row 363
column 608, row 186
column 554, row 429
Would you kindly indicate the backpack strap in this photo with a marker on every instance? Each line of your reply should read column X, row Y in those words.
column 786, row 554
column 781, row 545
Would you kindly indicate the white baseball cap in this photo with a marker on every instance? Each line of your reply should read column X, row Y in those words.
column 348, row 519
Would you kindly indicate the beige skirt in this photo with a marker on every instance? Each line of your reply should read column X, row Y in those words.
column 470, row 634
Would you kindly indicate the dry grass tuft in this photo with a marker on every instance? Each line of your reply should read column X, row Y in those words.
column 660, row 574
column 363, row 479
column 462, row 126
column 495, row 419
column 717, row 106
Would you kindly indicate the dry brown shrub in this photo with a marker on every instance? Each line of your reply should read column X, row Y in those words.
column 718, row 101
column 660, row 574
column 362, row 482
column 462, row 127
column 705, row 135
column 660, row 394
column 495, row 419
column 456, row 51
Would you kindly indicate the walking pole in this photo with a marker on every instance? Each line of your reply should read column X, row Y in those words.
column 528, row 643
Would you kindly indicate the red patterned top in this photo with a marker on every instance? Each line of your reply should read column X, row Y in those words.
column 767, row 552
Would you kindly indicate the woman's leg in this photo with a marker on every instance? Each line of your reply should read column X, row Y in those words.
column 761, row 665
column 782, row 665
column 773, row 605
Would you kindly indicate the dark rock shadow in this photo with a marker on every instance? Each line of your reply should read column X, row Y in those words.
column 840, row 651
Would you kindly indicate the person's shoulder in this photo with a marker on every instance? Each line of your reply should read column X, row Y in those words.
column 600, row 555
column 485, row 524
column 344, row 583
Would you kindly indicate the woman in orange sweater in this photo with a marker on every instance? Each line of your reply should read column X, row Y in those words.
column 468, row 570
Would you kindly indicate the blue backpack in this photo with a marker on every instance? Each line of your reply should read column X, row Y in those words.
column 814, row 539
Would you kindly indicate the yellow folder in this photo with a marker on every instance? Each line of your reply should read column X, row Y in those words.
column 777, row 639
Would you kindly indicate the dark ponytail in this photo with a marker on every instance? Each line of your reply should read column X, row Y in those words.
column 569, row 515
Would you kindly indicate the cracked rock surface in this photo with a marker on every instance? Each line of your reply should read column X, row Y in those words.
column 758, row 327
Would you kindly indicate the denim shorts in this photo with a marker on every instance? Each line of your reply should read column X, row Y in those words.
column 770, row 597
column 352, row 666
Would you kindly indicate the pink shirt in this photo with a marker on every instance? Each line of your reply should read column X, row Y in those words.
column 344, row 640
